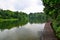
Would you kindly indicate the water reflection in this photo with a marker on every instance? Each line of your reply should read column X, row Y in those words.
column 11, row 24
column 26, row 32
column 21, row 30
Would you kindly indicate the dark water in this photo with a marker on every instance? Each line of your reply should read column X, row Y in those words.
column 11, row 24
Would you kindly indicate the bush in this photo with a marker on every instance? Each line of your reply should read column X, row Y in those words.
column 58, row 27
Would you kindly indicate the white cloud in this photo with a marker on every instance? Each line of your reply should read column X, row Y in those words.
column 22, row 5
column 34, row 9
column 7, row 4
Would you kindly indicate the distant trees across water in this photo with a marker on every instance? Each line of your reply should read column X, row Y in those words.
column 7, row 15
column 10, row 19
column 37, row 17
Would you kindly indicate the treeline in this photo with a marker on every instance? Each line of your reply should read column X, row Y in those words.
column 10, row 19
column 37, row 17
column 52, row 10
column 8, row 15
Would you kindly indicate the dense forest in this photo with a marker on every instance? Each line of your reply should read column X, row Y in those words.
column 7, row 14
column 52, row 10
column 37, row 17
column 10, row 19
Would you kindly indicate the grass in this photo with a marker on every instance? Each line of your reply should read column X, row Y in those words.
column 1, row 20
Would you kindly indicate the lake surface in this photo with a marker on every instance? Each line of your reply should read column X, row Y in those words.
column 25, row 32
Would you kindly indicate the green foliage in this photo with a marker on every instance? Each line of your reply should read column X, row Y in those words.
column 10, row 19
column 55, row 25
column 51, row 3
column 37, row 18
column 7, row 14
column 11, row 24
column 58, row 32
column 52, row 7
column 52, row 10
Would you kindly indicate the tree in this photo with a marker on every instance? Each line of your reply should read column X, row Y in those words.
column 52, row 10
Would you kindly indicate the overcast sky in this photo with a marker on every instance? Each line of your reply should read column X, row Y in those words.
column 22, row 5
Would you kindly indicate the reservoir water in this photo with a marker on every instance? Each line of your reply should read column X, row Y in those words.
column 25, row 32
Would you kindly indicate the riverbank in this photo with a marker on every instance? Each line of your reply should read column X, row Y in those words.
column 48, row 33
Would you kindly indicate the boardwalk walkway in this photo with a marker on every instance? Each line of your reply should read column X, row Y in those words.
column 48, row 33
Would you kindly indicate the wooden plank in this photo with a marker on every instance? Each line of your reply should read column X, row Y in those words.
column 48, row 33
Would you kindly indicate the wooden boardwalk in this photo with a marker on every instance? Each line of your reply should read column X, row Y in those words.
column 48, row 33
